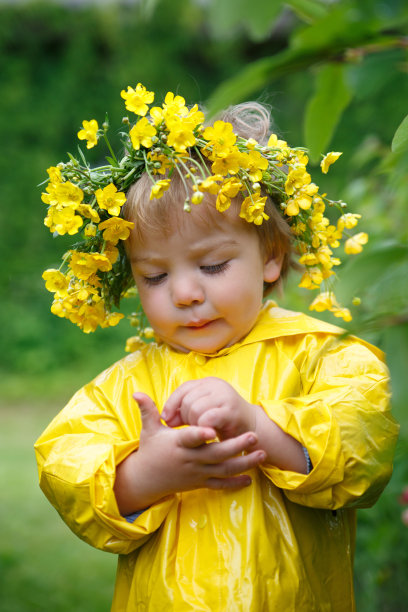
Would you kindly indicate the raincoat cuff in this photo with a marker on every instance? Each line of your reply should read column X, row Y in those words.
column 317, row 431
column 132, row 517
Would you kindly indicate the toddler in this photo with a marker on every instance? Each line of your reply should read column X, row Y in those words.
column 224, row 461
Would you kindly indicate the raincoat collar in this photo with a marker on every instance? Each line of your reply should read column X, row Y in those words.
column 276, row 322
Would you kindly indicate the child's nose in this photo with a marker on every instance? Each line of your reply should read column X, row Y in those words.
column 187, row 290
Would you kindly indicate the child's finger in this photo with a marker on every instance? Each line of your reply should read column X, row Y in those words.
column 227, row 449
column 216, row 418
column 237, row 465
column 193, row 437
column 187, row 391
column 148, row 412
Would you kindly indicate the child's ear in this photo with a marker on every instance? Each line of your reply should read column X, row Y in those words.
column 272, row 269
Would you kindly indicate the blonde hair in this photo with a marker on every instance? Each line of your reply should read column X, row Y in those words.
column 249, row 120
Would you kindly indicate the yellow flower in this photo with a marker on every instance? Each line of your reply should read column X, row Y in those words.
column 348, row 221
column 115, row 229
column 324, row 301
column 252, row 209
column 56, row 282
column 83, row 265
column 354, row 244
column 134, row 343
column 342, row 313
column 89, row 133
column 301, row 158
column 63, row 221
column 297, row 178
column 328, row 160
column 112, row 319
column 110, row 199
column 210, row 184
column 311, row 279
column 220, row 136
column 318, row 204
column 161, row 163
column 137, row 100
column 55, row 174
column 274, row 142
column 142, row 133
column 89, row 316
column 63, row 195
column 228, row 163
column 111, row 252
column 292, row 207
column 157, row 114
column 255, row 164
column 88, row 212
column 327, row 301
column 181, row 136
column 174, row 105
column 159, row 188
column 308, row 259
column 194, row 117
column 229, row 189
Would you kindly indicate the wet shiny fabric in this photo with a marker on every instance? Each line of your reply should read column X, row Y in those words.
column 285, row 542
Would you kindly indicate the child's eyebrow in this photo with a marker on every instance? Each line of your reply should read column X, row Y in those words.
column 211, row 245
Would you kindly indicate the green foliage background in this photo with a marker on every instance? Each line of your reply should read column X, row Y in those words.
column 335, row 74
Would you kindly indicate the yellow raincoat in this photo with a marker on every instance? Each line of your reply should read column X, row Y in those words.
column 283, row 543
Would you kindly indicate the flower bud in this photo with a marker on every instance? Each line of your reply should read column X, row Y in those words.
column 134, row 320
column 90, row 229
column 197, row 197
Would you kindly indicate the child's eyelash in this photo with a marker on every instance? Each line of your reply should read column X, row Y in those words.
column 216, row 268
column 154, row 280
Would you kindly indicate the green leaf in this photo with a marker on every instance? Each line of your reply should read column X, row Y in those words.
column 325, row 108
column 400, row 140
column 254, row 77
column 324, row 41
column 341, row 27
column 256, row 16
column 308, row 10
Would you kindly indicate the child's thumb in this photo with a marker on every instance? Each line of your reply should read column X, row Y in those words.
column 148, row 412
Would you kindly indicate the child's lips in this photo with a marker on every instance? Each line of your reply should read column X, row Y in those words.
column 199, row 324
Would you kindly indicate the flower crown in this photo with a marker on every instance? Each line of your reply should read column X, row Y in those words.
column 95, row 274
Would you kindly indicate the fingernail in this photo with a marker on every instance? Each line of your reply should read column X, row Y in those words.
column 252, row 439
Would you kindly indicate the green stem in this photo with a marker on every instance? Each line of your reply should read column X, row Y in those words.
column 110, row 149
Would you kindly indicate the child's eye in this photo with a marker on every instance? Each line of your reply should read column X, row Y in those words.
column 154, row 280
column 215, row 268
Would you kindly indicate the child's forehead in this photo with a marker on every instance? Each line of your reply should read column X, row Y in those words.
column 201, row 221
column 196, row 233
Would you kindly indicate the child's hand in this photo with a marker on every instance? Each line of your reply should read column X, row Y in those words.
column 172, row 460
column 210, row 402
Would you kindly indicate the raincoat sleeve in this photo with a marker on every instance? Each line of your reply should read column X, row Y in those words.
column 77, row 457
column 342, row 417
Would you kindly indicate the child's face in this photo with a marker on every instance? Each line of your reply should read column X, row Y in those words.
column 201, row 285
